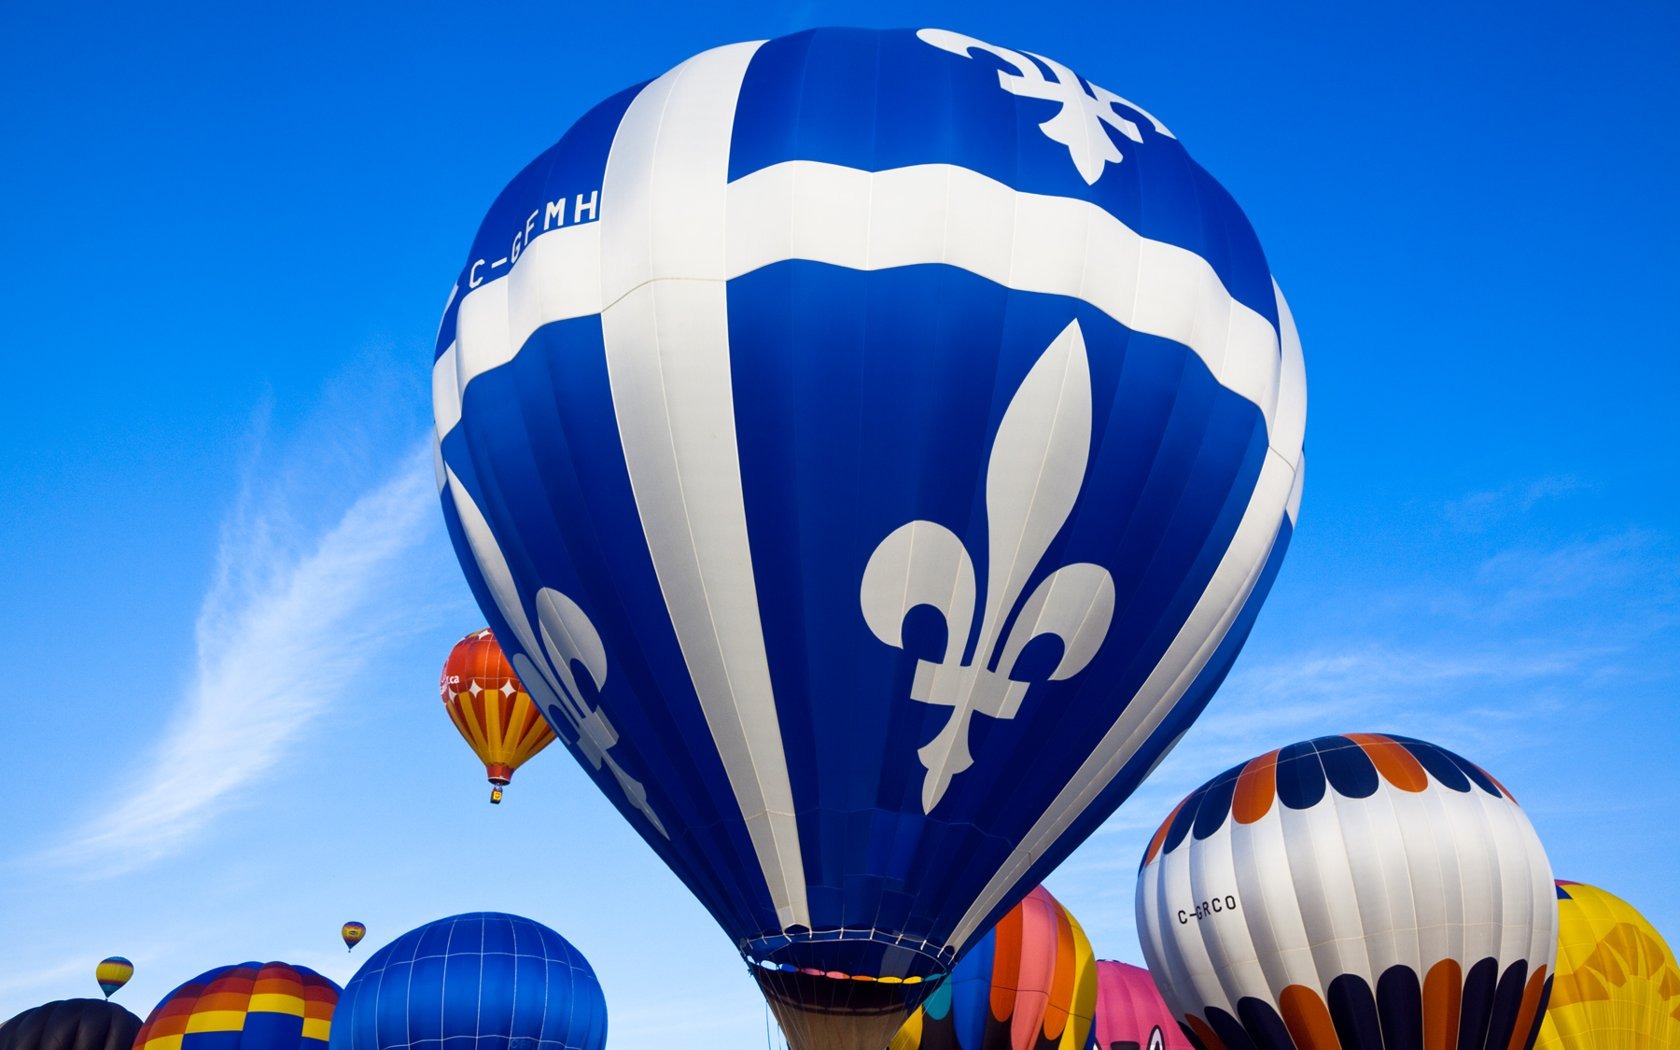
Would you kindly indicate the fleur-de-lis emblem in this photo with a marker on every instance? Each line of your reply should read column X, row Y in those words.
column 1078, row 123
column 568, row 638
column 1033, row 478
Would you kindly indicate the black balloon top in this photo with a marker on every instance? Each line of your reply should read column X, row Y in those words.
column 71, row 1024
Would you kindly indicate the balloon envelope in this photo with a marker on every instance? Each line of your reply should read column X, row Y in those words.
column 1131, row 1015
column 71, row 1024
column 352, row 932
column 1029, row 984
column 491, row 709
column 1359, row 891
column 871, row 450
column 1617, row 985
column 248, row 1006
column 112, row 974
column 485, row 980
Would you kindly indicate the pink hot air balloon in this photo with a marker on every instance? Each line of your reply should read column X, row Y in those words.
column 1131, row 1015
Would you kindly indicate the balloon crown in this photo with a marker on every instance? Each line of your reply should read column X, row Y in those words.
column 1354, row 765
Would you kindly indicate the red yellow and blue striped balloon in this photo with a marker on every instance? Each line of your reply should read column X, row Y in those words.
column 250, row 1006
column 112, row 973
column 1029, row 984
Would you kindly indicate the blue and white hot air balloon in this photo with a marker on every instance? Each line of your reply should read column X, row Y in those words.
column 871, row 449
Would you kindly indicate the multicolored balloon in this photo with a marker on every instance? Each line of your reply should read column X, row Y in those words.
column 837, row 425
column 1357, row 891
column 491, row 708
column 352, row 932
column 112, row 973
column 1617, row 985
column 1029, row 984
column 512, row 983
column 248, row 1006
column 1131, row 1015
column 70, row 1024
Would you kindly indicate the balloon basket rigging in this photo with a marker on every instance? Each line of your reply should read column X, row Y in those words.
column 819, row 1012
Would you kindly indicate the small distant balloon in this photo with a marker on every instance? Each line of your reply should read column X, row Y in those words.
column 112, row 974
column 491, row 708
column 353, row 932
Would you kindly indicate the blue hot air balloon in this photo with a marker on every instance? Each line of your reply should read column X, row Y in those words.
column 486, row 980
column 871, row 450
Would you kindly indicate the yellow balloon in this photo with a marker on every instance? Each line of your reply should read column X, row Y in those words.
column 1617, row 986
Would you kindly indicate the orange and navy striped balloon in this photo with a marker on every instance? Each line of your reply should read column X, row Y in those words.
column 1354, row 892
column 1029, row 984
column 490, row 707
column 250, row 1006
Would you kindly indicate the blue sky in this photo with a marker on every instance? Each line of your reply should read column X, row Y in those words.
column 230, row 234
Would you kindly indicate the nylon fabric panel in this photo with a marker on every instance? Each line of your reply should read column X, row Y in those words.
column 1131, row 1015
column 1617, row 984
column 911, row 87
column 816, row 526
column 601, row 554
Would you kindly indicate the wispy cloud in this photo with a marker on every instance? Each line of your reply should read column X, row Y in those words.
column 285, row 595
column 1477, row 511
column 15, row 983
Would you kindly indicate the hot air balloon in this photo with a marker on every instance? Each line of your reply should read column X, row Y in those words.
column 1358, row 891
column 1617, row 985
column 511, row 983
column 1131, row 1015
column 837, row 425
column 352, row 932
column 112, row 974
column 248, row 1006
column 1029, row 984
column 491, row 708
column 71, row 1024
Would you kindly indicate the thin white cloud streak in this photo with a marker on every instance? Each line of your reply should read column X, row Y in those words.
column 27, row 980
column 274, row 609
column 1478, row 511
